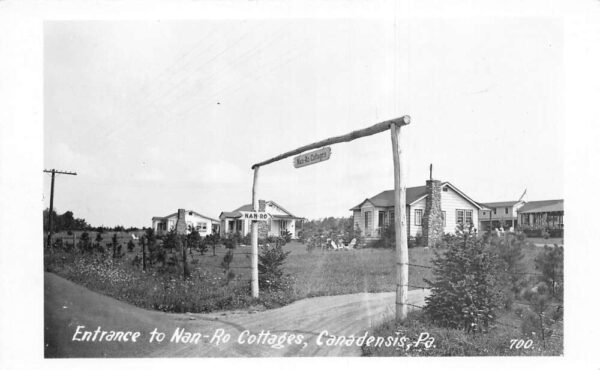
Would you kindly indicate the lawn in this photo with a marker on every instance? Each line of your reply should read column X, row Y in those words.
column 317, row 273
column 549, row 241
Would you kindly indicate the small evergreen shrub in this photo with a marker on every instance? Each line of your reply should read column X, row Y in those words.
column 550, row 263
column 465, row 292
column 271, row 261
column 130, row 246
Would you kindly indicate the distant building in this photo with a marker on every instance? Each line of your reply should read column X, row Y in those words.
column 498, row 215
column 431, row 210
column 280, row 220
column 547, row 214
column 204, row 224
column 539, row 214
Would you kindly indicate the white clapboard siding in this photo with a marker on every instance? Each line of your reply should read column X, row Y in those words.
column 415, row 229
column 451, row 201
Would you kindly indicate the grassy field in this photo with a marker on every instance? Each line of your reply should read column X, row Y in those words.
column 549, row 241
column 318, row 273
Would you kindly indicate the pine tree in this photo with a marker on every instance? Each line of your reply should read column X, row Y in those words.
column 465, row 293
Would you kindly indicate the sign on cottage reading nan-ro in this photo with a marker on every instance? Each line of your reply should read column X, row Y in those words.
column 316, row 156
column 255, row 216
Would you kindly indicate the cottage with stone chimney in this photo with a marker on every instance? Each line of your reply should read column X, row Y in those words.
column 431, row 211
column 183, row 220
column 279, row 222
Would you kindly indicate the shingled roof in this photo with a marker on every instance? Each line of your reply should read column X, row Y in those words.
column 542, row 206
column 413, row 194
column 386, row 197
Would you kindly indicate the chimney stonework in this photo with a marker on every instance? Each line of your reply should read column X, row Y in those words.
column 180, row 226
column 433, row 223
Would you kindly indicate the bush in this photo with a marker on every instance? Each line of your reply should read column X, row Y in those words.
column 510, row 251
column 387, row 238
column 270, row 267
column 450, row 342
column 227, row 259
column 550, row 263
column 130, row 246
column 465, row 293
column 85, row 244
column 540, row 320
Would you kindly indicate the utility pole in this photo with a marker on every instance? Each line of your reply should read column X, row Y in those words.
column 50, row 216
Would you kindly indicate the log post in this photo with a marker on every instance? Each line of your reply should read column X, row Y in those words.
column 255, row 205
column 400, row 226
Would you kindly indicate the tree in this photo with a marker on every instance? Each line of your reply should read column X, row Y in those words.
column 465, row 293
column 510, row 251
column 212, row 240
column 130, row 246
column 270, row 266
column 65, row 222
column 98, row 243
column 84, row 244
column 550, row 263
column 226, row 263
column 194, row 241
column 114, row 244
column 541, row 315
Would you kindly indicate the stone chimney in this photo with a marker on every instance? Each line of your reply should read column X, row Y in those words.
column 181, row 226
column 433, row 223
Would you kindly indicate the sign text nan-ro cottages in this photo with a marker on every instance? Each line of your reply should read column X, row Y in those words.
column 313, row 157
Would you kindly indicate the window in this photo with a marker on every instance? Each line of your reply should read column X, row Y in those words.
column 444, row 218
column 418, row 217
column 469, row 217
column 381, row 222
column 505, row 210
column 460, row 216
column 495, row 210
column 445, row 188
column 367, row 220
column 191, row 213
column 392, row 217
column 202, row 226
column 464, row 216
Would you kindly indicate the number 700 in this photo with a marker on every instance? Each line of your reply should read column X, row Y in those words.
column 520, row 343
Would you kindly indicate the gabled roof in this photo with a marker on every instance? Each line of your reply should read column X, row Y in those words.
column 540, row 206
column 262, row 206
column 187, row 211
column 413, row 195
column 386, row 198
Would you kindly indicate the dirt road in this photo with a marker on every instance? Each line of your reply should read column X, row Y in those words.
column 68, row 305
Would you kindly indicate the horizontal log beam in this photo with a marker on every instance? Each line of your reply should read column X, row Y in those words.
column 375, row 129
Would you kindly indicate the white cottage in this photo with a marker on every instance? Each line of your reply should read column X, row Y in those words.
column 204, row 224
column 431, row 210
column 280, row 220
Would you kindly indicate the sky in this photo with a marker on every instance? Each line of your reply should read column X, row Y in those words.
column 160, row 115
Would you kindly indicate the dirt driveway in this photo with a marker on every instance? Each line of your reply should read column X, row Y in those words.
column 68, row 305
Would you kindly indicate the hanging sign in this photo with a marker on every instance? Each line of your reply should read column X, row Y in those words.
column 255, row 216
column 313, row 157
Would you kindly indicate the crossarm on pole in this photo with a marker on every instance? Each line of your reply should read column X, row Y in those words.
column 376, row 128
